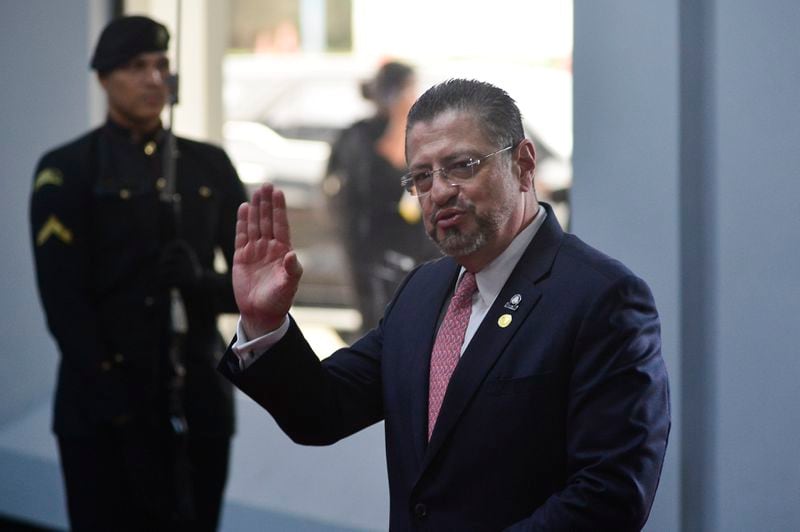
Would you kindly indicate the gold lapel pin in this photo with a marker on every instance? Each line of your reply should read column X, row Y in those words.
column 504, row 320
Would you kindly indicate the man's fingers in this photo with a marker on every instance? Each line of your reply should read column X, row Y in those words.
column 253, row 212
column 280, row 218
column 267, row 214
column 241, row 226
column 292, row 266
column 241, row 236
column 263, row 218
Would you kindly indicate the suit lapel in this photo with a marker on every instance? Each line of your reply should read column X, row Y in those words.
column 491, row 338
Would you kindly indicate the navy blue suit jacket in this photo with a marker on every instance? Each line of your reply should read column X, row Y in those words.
column 558, row 421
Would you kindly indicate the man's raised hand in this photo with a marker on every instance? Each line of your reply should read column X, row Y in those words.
column 266, row 271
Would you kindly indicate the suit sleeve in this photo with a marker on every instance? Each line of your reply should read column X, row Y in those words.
column 617, row 418
column 60, row 211
column 314, row 403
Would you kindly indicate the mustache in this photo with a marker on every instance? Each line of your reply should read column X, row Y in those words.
column 454, row 203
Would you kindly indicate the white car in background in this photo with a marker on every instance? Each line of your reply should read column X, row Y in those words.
column 263, row 156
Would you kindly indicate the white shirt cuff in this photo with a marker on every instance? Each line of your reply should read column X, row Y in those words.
column 248, row 351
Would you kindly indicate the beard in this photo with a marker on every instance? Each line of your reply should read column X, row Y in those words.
column 458, row 243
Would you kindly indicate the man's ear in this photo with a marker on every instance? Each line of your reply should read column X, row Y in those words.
column 526, row 162
column 102, row 79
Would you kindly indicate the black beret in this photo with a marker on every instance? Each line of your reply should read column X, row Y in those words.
column 125, row 38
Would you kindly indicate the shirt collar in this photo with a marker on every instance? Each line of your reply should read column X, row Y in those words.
column 122, row 132
column 493, row 277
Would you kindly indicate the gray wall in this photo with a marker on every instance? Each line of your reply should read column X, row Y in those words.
column 626, row 169
column 47, row 90
column 756, row 125
column 48, row 97
column 686, row 166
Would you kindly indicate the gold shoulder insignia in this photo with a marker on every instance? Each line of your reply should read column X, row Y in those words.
column 53, row 227
column 48, row 176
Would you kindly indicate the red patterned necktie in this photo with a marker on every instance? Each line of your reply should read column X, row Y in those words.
column 447, row 347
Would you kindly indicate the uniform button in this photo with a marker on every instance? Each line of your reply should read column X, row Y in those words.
column 420, row 511
column 105, row 365
column 118, row 358
column 150, row 148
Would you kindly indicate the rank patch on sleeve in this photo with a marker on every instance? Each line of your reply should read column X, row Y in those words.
column 48, row 176
column 53, row 227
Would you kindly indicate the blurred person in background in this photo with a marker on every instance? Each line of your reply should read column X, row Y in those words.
column 111, row 257
column 380, row 225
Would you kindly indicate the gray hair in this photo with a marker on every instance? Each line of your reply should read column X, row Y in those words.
column 498, row 114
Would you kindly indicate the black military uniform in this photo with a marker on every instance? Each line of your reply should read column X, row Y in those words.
column 107, row 256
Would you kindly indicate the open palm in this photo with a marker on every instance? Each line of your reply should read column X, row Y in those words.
column 266, row 271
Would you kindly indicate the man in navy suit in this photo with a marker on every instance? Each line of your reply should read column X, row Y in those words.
column 553, row 410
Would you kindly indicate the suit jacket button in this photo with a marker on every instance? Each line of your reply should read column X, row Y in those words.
column 420, row 511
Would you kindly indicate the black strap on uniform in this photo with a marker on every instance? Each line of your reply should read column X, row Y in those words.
column 184, row 501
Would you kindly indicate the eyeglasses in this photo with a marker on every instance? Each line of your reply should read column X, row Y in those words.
column 419, row 183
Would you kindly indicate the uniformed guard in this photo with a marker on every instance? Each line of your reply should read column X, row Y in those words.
column 107, row 257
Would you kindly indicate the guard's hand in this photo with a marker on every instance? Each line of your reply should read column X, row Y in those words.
column 265, row 270
column 178, row 265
